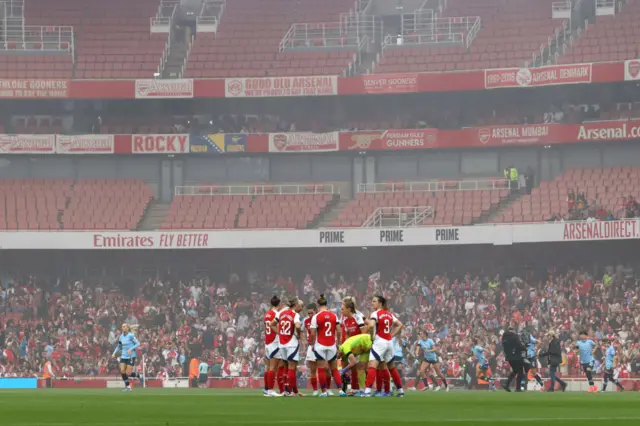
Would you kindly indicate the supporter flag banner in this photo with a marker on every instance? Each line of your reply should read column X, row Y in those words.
column 534, row 77
column 27, row 144
column 164, row 89
column 281, row 86
column 85, row 144
column 632, row 69
column 160, row 144
column 389, row 140
column 390, row 83
column 207, row 144
column 34, row 89
column 303, row 142
column 235, row 143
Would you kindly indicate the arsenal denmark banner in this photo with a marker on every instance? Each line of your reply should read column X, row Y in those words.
column 85, row 144
column 160, row 144
column 303, row 142
column 543, row 76
column 390, row 83
column 281, row 86
column 27, row 144
column 164, row 89
column 34, row 89
column 632, row 69
column 389, row 140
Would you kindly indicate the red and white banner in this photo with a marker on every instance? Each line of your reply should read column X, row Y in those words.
column 85, row 144
column 303, row 142
column 390, row 83
column 164, row 89
column 632, row 69
column 613, row 230
column 514, row 135
column 534, row 77
column 281, row 86
column 389, row 140
column 160, row 144
column 27, row 144
column 34, row 89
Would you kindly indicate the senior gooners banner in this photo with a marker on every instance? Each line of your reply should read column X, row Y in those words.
column 325, row 85
column 34, row 89
column 303, row 142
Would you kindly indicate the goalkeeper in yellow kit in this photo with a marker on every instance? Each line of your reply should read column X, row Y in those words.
column 355, row 350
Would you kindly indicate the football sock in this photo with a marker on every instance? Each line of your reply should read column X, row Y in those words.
column 337, row 378
column 327, row 374
column 271, row 379
column 266, row 380
column 386, row 380
column 426, row 382
column 371, row 377
column 281, row 378
column 590, row 378
column 444, row 382
column 125, row 378
column 323, row 379
column 314, row 383
column 293, row 383
column 397, row 381
column 355, row 380
column 539, row 380
column 379, row 380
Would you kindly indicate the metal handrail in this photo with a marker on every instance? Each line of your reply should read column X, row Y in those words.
column 438, row 186
column 259, row 189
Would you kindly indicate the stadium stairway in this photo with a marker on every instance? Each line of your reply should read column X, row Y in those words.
column 332, row 214
column 497, row 210
column 153, row 216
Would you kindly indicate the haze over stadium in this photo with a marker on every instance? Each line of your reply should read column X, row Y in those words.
column 193, row 191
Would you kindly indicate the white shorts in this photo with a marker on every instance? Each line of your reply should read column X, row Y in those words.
column 381, row 351
column 290, row 352
column 311, row 357
column 271, row 350
column 325, row 353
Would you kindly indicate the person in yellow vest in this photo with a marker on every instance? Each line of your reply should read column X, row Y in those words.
column 47, row 374
column 194, row 372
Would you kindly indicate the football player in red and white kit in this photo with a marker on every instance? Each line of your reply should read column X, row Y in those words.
column 311, row 356
column 352, row 324
column 324, row 330
column 271, row 348
column 386, row 326
column 288, row 325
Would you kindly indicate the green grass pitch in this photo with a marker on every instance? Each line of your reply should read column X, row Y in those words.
column 164, row 407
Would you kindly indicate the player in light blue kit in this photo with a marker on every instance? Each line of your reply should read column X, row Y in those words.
column 127, row 345
column 533, row 361
column 483, row 365
column 609, row 364
column 586, row 347
column 430, row 361
column 398, row 355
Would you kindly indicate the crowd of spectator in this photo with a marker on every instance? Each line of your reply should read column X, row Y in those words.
column 76, row 325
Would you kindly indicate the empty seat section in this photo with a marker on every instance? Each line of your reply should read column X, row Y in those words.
column 249, row 36
column 511, row 32
column 113, row 38
column 451, row 205
column 29, row 65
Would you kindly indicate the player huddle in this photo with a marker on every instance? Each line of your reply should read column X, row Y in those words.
column 331, row 339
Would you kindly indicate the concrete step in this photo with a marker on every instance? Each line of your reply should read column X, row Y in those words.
column 154, row 216
column 332, row 214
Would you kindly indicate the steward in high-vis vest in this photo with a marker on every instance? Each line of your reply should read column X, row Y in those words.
column 194, row 372
column 47, row 374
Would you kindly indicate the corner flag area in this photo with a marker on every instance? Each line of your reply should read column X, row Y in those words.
column 211, row 407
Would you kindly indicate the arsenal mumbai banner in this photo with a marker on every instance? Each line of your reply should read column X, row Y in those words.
column 303, row 142
column 390, row 83
column 632, row 69
column 27, row 144
column 34, row 89
column 389, row 140
column 160, row 144
column 85, row 144
column 534, row 77
column 281, row 86
column 164, row 89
